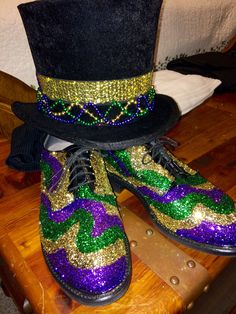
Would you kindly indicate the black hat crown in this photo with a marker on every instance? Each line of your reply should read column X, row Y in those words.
column 91, row 39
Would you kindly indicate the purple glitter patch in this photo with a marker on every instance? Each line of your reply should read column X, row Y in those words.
column 95, row 281
column 56, row 168
column 179, row 192
column 120, row 163
column 210, row 233
column 102, row 220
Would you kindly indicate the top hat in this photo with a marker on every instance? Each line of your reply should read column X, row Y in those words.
column 94, row 62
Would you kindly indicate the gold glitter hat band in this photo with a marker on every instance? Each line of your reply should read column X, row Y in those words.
column 95, row 91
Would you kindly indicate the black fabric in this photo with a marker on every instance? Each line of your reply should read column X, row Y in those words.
column 26, row 148
column 91, row 39
column 162, row 118
column 216, row 65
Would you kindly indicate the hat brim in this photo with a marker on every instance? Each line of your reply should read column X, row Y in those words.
column 143, row 130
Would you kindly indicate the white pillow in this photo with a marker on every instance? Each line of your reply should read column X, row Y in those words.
column 188, row 91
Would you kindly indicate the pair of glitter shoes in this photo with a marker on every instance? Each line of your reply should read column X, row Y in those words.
column 82, row 235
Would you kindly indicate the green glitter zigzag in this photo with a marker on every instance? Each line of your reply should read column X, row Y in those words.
column 191, row 179
column 47, row 172
column 149, row 177
column 85, row 242
column 182, row 209
column 86, row 192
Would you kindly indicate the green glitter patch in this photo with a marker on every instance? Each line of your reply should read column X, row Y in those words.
column 149, row 177
column 85, row 242
column 47, row 172
column 154, row 179
column 86, row 192
column 182, row 209
column 194, row 180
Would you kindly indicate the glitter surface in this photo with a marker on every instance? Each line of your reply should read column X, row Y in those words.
column 182, row 207
column 46, row 173
column 85, row 242
column 152, row 174
column 81, row 233
column 94, row 281
column 191, row 206
column 85, row 191
column 67, row 241
column 50, row 162
column 180, row 191
column 194, row 179
column 102, row 184
column 95, row 91
column 199, row 213
column 102, row 220
column 116, row 160
column 210, row 233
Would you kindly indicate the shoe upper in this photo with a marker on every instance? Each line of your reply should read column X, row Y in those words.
column 181, row 202
column 82, row 234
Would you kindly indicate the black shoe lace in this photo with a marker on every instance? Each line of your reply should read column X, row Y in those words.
column 81, row 171
column 158, row 152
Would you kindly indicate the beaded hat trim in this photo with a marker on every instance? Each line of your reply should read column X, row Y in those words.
column 90, row 103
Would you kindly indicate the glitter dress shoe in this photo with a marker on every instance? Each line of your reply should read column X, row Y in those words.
column 82, row 235
column 182, row 204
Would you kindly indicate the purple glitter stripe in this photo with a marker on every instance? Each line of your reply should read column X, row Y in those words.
column 179, row 192
column 210, row 233
column 120, row 163
column 99, row 280
column 102, row 220
column 56, row 168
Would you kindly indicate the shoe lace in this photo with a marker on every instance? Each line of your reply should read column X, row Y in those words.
column 81, row 171
column 158, row 152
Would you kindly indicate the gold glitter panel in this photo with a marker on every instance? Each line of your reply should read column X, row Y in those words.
column 103, row 257
column 102, row 184
column 95, row 91
column 132, row 180
column 136, row 155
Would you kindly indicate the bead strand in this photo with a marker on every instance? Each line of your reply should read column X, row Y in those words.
column 66, row 116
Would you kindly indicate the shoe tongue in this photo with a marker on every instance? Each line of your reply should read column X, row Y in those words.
column 164, row 159
column 79, row 169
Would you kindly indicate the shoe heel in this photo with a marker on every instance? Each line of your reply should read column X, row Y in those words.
column 116, row 186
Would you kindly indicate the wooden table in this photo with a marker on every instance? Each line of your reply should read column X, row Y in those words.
column 208, row 143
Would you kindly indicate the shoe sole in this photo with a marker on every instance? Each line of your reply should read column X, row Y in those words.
column 224, row 251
